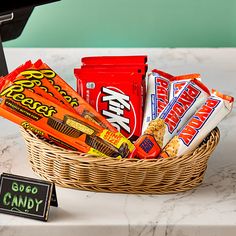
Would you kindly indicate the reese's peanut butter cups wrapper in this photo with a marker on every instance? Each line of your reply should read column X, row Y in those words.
column 178, row 83
column 20, row 104
column 157, row 96
column 175, row 115
column 208, row 116
column 37, row 83
column 42, row 70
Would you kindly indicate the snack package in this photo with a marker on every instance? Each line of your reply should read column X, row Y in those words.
column 53, row 122
column 38, row 84
column 175, row 115
column 117, row 68
column 200, row 125
column 117, row 96
column 112, row 60
column 157, row 96
column 41, row 70
column 136, row 68
column 178, row 82
column 146, row 147
column 122, row 63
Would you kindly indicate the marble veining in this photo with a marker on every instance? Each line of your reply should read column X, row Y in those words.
column 209, row 209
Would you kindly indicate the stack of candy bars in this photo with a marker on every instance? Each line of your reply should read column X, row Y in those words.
column 116, row 111
column 115, row 86
column 178, row 112
column 37, row 98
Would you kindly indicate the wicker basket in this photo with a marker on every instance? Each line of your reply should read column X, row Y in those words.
column 105, row 174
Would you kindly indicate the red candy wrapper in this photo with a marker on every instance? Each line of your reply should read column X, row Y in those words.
column 117, row 96
column 116, row 87
column 114, row 60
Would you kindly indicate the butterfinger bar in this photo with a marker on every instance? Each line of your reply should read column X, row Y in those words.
column 200, row 125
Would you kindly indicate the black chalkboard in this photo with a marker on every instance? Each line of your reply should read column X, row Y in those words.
column 26, row 197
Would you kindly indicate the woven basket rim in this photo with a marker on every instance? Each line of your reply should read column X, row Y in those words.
column 75, row 155
column 83, row 171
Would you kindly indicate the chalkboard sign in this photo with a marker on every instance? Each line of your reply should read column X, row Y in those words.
column 26, row 197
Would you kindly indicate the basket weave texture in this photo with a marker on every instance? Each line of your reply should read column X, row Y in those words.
column 105, row 174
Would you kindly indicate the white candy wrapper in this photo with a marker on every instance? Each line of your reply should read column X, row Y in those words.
column 157, row 96
column 178, row 83
column 208, row 116
column 178, row 112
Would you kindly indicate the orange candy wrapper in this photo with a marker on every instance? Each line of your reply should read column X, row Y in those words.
column 38, row 84
column 41, row 70
column 20, row 104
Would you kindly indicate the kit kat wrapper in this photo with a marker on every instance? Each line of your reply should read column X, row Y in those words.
column 53, row 122
column 74, row 99
column 136, row 68
column 111, row 60
column 208, row 116
column 117, row 96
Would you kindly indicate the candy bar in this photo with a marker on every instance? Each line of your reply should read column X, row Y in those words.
column 178, row 82
column 200, row 125
column 49, row 120
column 108, row 60
column 117, row 96
column 175, row 114
column 136, row 68
column 41, row 70
column 156, row 96
column 39, row 85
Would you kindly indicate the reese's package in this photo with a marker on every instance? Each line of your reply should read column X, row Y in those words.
column 42, row 70
column 23, row 106
column 38, row 84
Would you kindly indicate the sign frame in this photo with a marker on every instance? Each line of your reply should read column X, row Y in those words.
column 50, row 190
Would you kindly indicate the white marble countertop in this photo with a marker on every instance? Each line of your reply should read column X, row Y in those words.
column 208, row 210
